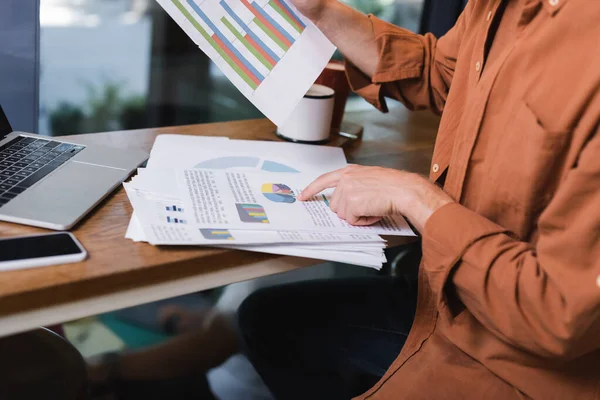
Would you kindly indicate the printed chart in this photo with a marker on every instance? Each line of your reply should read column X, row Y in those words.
column 250, row 36
column 170, row 212
column 175, row 220
column 278, row 193
column 216, row 234
column 245, row 162
column 266, row 48
column 252, row 213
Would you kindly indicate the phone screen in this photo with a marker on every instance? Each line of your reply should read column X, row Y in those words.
column 23, row 248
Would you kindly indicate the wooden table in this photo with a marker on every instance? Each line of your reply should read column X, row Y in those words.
column 120, row 273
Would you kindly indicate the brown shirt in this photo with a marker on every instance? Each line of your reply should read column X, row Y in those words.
column 509, row 304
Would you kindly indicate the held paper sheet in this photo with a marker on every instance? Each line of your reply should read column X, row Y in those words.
column 353, row 256
column 266, row 48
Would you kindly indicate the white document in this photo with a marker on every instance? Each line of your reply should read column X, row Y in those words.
column 164, row 221
column 348, row 257
column 266, row 48
column 173, row 234
column 371, row 259
column 259, row 201
column 134, row 230
column 154, row 195
column 185, row 152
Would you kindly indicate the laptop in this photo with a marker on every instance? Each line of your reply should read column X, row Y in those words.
column 51, row 183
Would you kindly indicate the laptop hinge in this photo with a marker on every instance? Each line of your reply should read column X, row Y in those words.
column 5, row 127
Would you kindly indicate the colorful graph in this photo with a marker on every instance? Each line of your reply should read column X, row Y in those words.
column 270, row 26
column 173, row 220
column 288, row 14
column 174, row 208
column 253, row 213
column 215, row 234
column 250, row 36
column 245, row 162
column 278, row 193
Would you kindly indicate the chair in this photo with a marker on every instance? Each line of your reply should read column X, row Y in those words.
column 439, row 16
column 41, row 365
column 403, row 262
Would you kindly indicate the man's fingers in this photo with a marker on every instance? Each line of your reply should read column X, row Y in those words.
column 323, row 182
column 352, row 220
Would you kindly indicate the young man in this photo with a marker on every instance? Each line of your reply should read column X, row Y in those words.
column 508, row 302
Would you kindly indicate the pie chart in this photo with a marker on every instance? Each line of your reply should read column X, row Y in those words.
column 245, row 162
column 278, row 193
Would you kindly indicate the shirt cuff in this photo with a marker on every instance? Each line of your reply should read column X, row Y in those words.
column 401, row 56
column 447, row 236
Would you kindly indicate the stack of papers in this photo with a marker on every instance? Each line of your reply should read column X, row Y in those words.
column 212, row 191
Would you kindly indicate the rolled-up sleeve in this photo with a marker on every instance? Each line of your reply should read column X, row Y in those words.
column 414, row 69
column 543, row 298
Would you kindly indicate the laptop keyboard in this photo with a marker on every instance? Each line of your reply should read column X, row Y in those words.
column 25, row 160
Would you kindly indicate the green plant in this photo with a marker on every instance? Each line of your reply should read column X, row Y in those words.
column 133, row 113
column 67, row 118
column 105, row 109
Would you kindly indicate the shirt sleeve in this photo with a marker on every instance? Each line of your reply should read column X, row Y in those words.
column 414, row 69
column 544, row 298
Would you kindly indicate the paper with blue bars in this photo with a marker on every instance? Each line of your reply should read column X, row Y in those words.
column 266, row 48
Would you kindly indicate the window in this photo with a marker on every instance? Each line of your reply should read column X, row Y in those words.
column 124, row 64
column 18, row 63
column 404, row 13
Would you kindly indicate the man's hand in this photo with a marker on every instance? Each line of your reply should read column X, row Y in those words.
column 350, row 30
column 311, row 9
column 364, row 195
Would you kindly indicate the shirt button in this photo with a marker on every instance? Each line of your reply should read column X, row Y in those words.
column 435, row 168
column 478, row 66
column 489, row 16
column 553, row 3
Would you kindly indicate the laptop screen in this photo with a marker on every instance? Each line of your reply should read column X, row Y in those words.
column 5, row 127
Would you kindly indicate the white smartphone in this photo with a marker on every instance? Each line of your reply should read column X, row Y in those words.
column 40, row 250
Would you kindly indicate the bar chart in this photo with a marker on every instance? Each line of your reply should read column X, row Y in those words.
column 173, row 220
column 266, row 48
column 250, row 36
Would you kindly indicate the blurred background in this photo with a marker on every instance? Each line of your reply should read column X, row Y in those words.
column 124, row 64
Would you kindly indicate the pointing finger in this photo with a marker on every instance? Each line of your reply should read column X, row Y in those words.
column 325, row 181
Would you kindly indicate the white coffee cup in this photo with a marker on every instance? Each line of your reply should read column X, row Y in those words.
column 310, row 122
